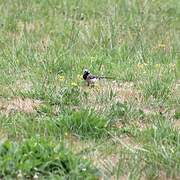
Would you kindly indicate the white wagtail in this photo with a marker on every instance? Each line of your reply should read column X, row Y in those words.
column 91, row 79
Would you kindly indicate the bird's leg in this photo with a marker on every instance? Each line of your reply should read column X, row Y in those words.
column 93, row 85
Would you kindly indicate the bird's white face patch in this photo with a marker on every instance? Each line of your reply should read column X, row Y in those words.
column 86, row 71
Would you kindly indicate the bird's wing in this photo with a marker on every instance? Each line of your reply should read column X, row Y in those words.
column 90, row 76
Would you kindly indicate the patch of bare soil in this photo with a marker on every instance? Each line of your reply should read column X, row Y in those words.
column 105, row 92
column 77, row 145
column 118, row 124
column 148, row 111
column 15, row 35
column 107, row 164
column 163, row 176
column 129, row 143
column 176, row 124
column 18, row 104
column 108, row 161
column 142, row 125
column 122, row 91
column 138, row 124
column 127, row 91
column 176, row 88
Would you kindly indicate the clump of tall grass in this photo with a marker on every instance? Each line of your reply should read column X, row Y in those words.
column 85, row 123
column 37, row 157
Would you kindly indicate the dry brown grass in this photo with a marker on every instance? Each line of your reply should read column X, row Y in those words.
column 123, row 92
column 3, row 135
column 19, row 104
column 176, row 124
column 43, row 43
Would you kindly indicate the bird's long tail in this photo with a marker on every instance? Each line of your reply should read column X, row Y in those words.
column 106, row 77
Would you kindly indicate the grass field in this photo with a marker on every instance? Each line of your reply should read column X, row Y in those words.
column 55, row 127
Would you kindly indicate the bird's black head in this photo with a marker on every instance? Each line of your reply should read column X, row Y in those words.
column 86, row 73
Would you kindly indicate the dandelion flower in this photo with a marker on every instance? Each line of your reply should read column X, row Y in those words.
column 157, row 66
column 17, row 61
column 74, row 84
column 161, row 45
column 61, row 78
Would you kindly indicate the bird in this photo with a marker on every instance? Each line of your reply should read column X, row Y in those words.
column 91, row 79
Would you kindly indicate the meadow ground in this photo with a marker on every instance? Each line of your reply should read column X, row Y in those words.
column 53, row 126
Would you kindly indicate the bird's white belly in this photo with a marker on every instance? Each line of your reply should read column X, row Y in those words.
column 93, row 80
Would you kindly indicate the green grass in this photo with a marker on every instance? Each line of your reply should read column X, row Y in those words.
column 122, row 128
column 39, row 157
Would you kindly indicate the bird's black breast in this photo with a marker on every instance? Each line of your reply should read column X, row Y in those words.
column 85, row 76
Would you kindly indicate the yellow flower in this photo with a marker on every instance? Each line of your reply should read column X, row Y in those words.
column 157, row 66
column 161, row 45
column 74, row 84
column 61, row 78
column 17, row 61
column 106, row 125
